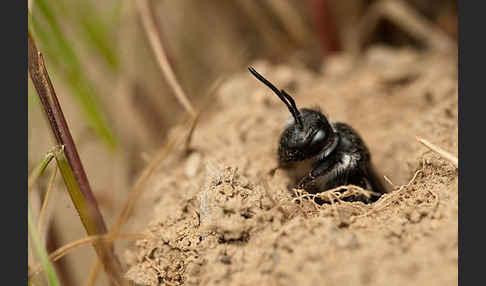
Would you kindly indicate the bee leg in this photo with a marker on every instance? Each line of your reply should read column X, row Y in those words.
column 315, row 173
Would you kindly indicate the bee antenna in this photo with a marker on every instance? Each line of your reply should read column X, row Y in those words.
column 297, row 115
column 284, row 96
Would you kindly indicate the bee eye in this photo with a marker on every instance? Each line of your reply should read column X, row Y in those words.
column 318, row 139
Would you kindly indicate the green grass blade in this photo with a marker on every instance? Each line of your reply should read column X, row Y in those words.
column 39, row 169
column 74, row 190
column 90, row 217
column 70, row 164
column 97, row 34
column 49, row 271
column 65, row 60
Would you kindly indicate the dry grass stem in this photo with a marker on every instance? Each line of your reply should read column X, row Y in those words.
column 187, row 143
column 208, row 99
column 42, row 213
column 444, row 154
column 390, row 182
column 93, row 273
column 66, row 249
column 137, row 191
column 69, row 162
column 153, row 35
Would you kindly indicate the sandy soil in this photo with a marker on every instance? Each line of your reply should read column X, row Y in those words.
column 217, row 218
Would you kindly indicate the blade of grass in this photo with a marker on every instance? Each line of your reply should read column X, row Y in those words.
column 70, row 164
column 39, row 170
column 34, row 175
column 97, row 34
column 52, row 50
column 50, row 273
column 64, row 57
column 91, row 219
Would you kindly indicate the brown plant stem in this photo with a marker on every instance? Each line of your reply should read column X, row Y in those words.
column 43, row 210
column 138, row 189
column 66, row 249
column 153, row 35
column 71, row 168
column 444, row 154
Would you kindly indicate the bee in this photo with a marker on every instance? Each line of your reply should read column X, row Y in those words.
column 321, row 155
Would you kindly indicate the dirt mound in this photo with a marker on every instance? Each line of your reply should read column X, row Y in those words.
column 219, row 218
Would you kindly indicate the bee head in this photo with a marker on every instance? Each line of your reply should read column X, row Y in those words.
column 307, row 133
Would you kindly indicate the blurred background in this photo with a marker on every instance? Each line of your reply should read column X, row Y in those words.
column 118, row 102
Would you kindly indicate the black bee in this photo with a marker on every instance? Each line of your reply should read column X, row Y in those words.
column 320, row 154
